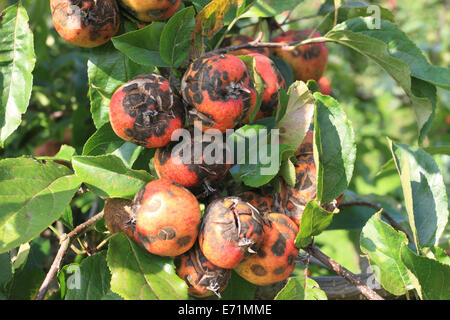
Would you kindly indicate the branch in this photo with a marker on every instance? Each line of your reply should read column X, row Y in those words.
column 343, row 272
column 258, row 44
column 304, row 259
column 377, row 207
column 65, row 241
column 337, row 288
column 287, row 21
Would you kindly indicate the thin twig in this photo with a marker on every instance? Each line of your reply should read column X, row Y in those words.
column 59, row 235
column 343, row 272
column 65, row 241
column 286, row 18
column 83, row 247
column 305, row 259
column 377, row 207
column 82, row 228
column 273, row 22
column 258, row 44
column 54, row 267
column 318, row 26
column 336, row 10
column 105, row 241
column 230, row 26
column 337, row 288
column 300, row 19
column 306, row 275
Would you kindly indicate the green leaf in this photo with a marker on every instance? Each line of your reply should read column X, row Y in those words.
column 208, row 22
column 176, row 37
column 287, row 171
column 145, row 161
column 270, row 8
column 200, row 4
column 260, row 173
column 295, row 289
column 6, row 273
column 360, row 9
column 257, row 154
column 108, row 176
column 392, row 50
column 282, row 106
column 298, row 116
column 67, row 217
column 32, row 196
column 100, row 226
column 382, row 245
column 402, row 48
column 25, row 283
column 423, row 89
column 343, row 246
column 4, row 4
column 314, row 220
column 105, row 141
column 438, row 150
column 137, row 274
column 438, row 254
column 352, row 9
column 433, row 276
column 94, row 279
column 28, row 278
column 313, row 86
column 65, row 153
column 285, row 69
column 424, row 192
column 239, row 289
column 111, row 296
column 17, row 60
column 390, row 165
column 258, row 82
column 355, row 217
column 142, row 46
column 108, row 69
column 39, row 249
column 334, row 148
column 22, row 255
column 351, row 218
column 68, row 276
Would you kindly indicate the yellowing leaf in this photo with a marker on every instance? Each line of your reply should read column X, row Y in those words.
column 209, row 21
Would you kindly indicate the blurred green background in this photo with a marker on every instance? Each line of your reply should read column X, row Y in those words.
column 59, row 109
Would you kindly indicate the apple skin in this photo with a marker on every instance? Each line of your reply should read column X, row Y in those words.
column 324, row 86
column 308, row 61
column 150, row 10
column 85, row 23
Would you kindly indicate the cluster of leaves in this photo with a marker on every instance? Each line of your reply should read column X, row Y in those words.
column 34, row 193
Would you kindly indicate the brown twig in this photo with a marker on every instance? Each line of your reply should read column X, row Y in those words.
column 343, row 272
column 305, row 259
column 65, row 241
column 335, row 288
column 286, row 18
column 338, row 288
column 274, row 25
column 285, row 22
column 377, row 207
column 258, row 44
